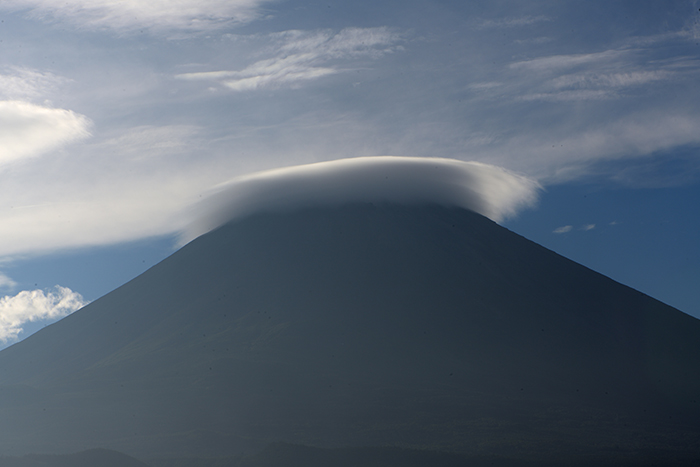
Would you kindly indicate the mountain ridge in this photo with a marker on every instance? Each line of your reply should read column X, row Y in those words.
column 362, row 325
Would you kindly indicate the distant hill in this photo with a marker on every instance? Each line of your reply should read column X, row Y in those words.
column 421, row 328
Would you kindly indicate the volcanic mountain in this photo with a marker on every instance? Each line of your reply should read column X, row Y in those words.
column 364, row 325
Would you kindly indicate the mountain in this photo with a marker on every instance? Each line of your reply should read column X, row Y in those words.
column 89, row 458
column 412, row 327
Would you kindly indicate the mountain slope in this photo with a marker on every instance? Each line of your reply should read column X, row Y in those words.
column 362, row 325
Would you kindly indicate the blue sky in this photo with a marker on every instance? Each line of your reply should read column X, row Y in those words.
column 117, row 117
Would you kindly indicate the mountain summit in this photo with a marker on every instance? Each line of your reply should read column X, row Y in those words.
column 421, row 327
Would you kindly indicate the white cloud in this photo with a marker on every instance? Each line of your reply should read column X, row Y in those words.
column 558, row 62
column 19, row 83
column 486, row 189
column 563, row 229
column 555, row 158
column 588, row 227
column 127, row 187
column 127, row 15
column 571, row 114
column 28, row 130
column 615, row 80
column 6, row 282
column 594, row 85
column 35, row 305
column 512, row 22
column 563, row 96
column 302, row 56
column 594, row 76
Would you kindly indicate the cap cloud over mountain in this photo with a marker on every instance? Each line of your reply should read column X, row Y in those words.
column 486, row 189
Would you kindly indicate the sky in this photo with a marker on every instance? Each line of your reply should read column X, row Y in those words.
column 118, row 117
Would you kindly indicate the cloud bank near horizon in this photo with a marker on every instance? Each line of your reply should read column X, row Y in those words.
column 486, row 189
column 35, row 305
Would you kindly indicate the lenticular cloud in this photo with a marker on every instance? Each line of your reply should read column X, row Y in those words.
column 486, row 189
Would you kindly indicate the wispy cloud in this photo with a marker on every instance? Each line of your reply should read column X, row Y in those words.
column 29, row 130
column 155, row 15
column 303, row 56
column 6, row 282
column 18, row 83
column 568, row 228
column 558, row 62
column 595, row 85
column 614, row 104
column 594, row 76
column 130, row 186
column 512, row 22
column 615, row 80
column 35, row 305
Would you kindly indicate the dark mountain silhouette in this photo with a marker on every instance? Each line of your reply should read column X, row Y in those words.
column 412, row 328
column 89, row 458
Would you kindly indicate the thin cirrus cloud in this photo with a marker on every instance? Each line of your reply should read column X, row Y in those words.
column 488, row 190
column 154, row 15
column 526, row 20
column 552, row 158
column 620, row 103
column 302, row 56
column 608, row 74
column 6, row 282
column 20, row 83
column 35, row 305
column 568, row 228
column 563, row 229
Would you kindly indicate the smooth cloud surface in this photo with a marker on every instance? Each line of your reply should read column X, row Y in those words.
column 35, row 305
column 491, row 191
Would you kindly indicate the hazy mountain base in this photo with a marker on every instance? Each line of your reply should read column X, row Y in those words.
column 289, row 455
column 89, row 458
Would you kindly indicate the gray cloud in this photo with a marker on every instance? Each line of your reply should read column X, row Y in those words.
column 486, row 189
